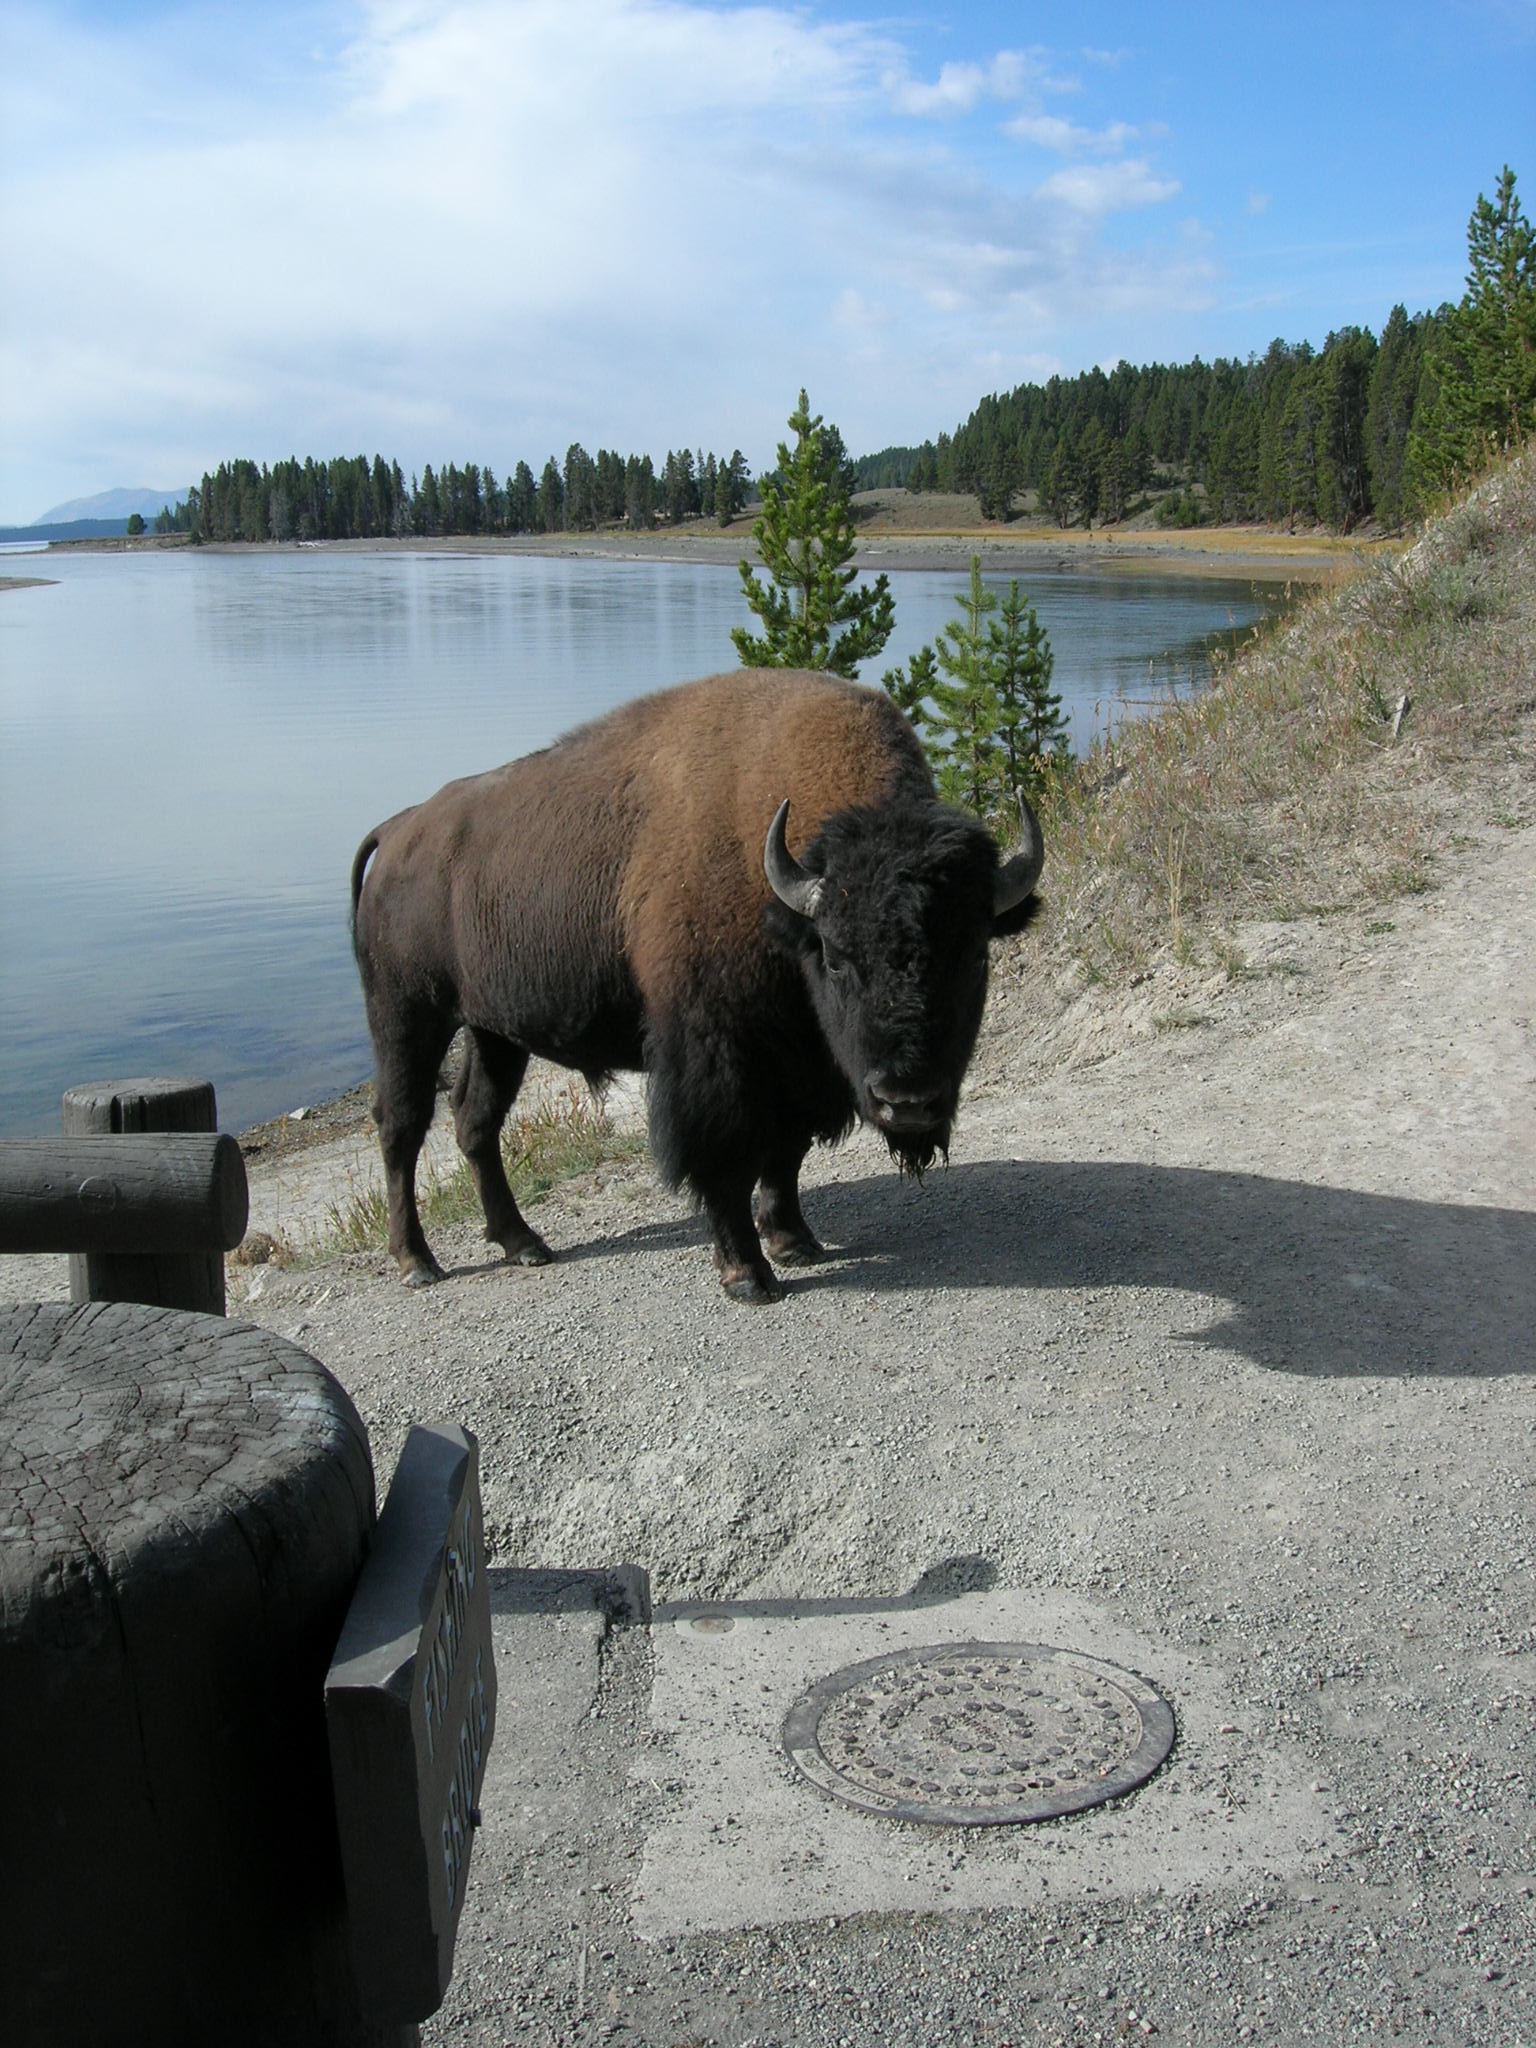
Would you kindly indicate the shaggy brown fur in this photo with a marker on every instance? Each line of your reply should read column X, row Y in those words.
column 602, row 904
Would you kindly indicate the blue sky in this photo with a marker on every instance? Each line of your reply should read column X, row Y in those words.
column 478, row 230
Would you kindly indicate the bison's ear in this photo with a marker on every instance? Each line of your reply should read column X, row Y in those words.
column 1013, row 890
column 795, row 886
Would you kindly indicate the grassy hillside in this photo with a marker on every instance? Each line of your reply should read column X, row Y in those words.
column 1294, row 786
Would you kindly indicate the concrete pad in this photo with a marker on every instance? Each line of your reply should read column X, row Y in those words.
column 547, row 1629
column 748, row 1842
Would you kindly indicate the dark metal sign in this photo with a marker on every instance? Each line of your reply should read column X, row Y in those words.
column 410, row 1706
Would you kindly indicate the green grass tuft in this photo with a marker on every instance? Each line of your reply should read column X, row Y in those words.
column 569, row 1135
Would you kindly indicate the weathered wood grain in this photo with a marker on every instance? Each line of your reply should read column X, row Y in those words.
column 177, row 1102
column 185, row 1507
column 174, row 1193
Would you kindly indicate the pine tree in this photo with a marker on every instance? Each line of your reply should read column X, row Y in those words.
column 1501, row 313
column 806, row 539
column 971, row 764
column 731, row 487
column 551, row 498
column 1000, row 486
column 912, row 689
column 1063, row 481
column 1031, row 726
column 994, row 730
column 1343, row 487
column 580, row 489
column 427, row 511
column 1296, row 442
column 679, row 487
column 639, row 493
column 1092, row 452
column 1477, row 382
column 522, row 500
column 1389, row 414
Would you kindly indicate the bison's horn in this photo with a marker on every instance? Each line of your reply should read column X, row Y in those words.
column 1016, row 877
column 790, row 882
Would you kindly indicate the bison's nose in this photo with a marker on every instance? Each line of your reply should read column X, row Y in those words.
column 906, row 1105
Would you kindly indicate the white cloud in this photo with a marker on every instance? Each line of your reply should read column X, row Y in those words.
column 1099, row 189
column 1048, row 131
column 961, row 87
column 464, row 229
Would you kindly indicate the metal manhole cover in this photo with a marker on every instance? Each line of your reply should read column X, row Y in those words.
column 979, row 1734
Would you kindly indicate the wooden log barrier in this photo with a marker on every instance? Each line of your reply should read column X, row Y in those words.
column 185, row 1507
column 148, row 1194
column 167, row 1276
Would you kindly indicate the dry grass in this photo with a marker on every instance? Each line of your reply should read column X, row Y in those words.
column 1292, row 787
column 569, row 1135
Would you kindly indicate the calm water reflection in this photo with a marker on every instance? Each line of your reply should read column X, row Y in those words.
column 191, row 746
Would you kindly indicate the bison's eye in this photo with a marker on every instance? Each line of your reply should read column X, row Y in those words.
column 837, row 963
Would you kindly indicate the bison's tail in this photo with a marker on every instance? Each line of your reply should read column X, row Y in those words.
column 360, row 862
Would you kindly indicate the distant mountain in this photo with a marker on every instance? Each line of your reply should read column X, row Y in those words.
column 118, row 504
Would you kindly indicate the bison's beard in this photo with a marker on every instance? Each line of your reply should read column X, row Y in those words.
column 914, row 1153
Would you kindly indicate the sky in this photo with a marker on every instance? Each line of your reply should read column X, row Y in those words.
column 481, row 230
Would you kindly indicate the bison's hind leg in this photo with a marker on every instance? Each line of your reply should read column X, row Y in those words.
column 787, row 1238
column 409, row 1051
column 488, row 1082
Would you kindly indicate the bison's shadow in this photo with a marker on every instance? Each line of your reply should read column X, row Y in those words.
column 1319, row 1280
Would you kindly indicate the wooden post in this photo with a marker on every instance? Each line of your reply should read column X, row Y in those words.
column 189, row 1280
column 184, row 1191
column 186, row 1506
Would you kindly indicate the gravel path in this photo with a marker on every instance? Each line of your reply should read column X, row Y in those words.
column 1214, row 1350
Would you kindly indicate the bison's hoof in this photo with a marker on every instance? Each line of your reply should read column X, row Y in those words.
column 421, row 1276
column 794, row 1251
column 754, row 1287
column 532, row 1252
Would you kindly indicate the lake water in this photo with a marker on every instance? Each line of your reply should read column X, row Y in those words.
column 192, row 745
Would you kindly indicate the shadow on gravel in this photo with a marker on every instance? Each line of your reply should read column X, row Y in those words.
column 1320, row 1280
column 622, row 1593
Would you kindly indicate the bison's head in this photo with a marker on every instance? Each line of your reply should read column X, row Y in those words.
column 890, row 913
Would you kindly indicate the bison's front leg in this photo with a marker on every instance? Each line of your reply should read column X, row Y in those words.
column 700, row 1137
column 744, row 1273
column 786, row 1236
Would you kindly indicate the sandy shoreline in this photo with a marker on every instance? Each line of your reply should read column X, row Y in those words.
column 1240, row 552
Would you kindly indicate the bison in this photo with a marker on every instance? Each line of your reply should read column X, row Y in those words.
column 628, row 899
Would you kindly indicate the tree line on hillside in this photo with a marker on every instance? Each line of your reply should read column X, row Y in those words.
column 349, row 498
column 1366, row 427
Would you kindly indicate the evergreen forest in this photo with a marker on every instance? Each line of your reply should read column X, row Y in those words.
column 1367, row 427
column 349, row 498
